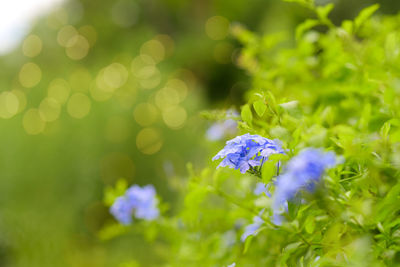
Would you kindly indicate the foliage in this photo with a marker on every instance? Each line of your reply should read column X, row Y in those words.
column 336, row 89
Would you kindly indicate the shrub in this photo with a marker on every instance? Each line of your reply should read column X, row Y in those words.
column 329, row 88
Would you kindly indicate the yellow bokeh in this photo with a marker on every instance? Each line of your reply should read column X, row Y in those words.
column 32, row 122
column 77, row 47
column 112, row 77
column 217, row 27
column 32, row 46
column 140, row 62
column 65, row 34
column 180, row 86
column 149, row 141
column 174, row 117
column 21, row 99
column 89, row 32
column 167, row 97
column 154, row 49
column 9, row 105
column 30, row 75
column 59, row 90
column 57, row 19
column 167, row 42
column 49, row 109
column 78, row 105
column 99, row 94
column 149, row 77
column 145, row 114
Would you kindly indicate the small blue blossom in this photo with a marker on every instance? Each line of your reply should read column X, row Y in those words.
column 224, row 128
column 138, row 201
column 144, row 201
column 247, row 151
column 262, row 188
column 232, row 265
column 219, row 130
column 303, row 172
column 122, row 210
column 252, row 229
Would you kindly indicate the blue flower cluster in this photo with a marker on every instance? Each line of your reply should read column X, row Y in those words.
column 247, row 151
column 303, row 172
column 138, row 201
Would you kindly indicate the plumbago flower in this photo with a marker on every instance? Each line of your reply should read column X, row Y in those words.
column 303, row 172
column 262, row 188
column 221, row 129
column 247, row 151
column 138, row 201
column 252, row 229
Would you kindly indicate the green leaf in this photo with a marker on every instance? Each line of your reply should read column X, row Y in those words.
column 260, row 107
column 309, row 224
column 305, row 26
column 364, row 15
column 384, row 132
column 247, row 243
column 323, row 11
column 348, row 26
column 246, row 114
column 269, row 168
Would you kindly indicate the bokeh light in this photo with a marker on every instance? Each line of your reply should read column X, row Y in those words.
column 78, row 105
column 174, row 117
column 149, row 141
column 112, row 77
column 154, row 49
column 9, row 104
column 217, row 27
column 59, row 89
column 65, row 34
column 32, row 46
column 33, row 122
column 77, row 47
column 49, row 109
column 90, row 33
column 30, row 75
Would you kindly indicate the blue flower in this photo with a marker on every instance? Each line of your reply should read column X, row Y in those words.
column 122, row 210
column 219, row 129
column 252, row 229
column 227, row 127
column 144, row 201
column 262, row 188
column 232, row 265
column 138, row 201
column 303, row 172
column 247, row 151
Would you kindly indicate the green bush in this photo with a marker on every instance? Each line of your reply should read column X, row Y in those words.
column 325, row 86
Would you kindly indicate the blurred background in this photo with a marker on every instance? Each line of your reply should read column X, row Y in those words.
column 95, row 91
